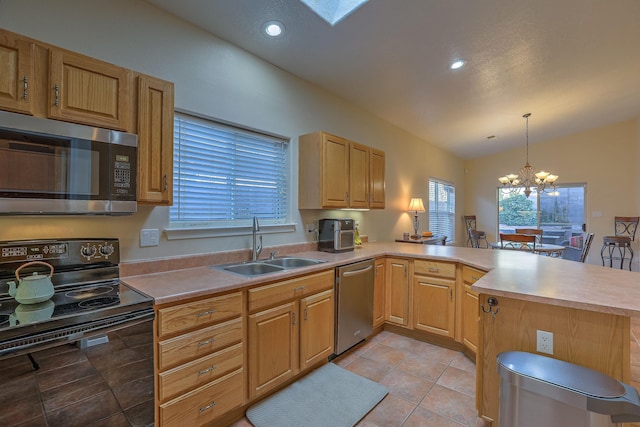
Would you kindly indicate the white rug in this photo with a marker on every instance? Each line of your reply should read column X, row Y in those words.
column 328, row 396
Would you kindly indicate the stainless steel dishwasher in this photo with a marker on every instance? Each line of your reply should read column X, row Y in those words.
column 354, row 304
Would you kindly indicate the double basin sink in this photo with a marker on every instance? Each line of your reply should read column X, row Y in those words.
column 257, row 268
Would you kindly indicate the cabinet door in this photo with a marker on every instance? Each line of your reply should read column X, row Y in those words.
column 397, row 298
column 316, row 328
column 16, row 73
column 379, row 293
column 85, row 90
column 155, row 141
column 434, row 305
column 358, row 175
column 470, row 317
column 273, row 348
column 376, row 179
column 335, row 172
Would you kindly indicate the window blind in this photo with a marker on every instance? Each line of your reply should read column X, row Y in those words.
column 225, row 175
column 442, row 208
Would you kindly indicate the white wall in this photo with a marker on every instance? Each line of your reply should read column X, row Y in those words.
column 219, row 80
column 605, row 158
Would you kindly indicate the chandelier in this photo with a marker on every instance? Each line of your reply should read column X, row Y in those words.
column 542, row 182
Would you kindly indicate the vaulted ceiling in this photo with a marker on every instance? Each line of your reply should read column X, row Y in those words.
column 573, row 64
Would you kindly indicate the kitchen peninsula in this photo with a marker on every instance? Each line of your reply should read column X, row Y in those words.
column 586, row 307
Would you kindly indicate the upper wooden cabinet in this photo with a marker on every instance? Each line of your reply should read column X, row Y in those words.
column 155, row 141
column 337, row 173
column 85, row 90
column 16, row 73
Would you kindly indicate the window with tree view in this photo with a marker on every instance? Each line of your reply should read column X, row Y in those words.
column 560, row 214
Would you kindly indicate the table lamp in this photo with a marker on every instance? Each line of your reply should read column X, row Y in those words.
column 416, row 205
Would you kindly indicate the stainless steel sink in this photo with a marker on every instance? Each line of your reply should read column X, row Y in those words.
column 257, row 268
column 293, row 262
column 251, row 268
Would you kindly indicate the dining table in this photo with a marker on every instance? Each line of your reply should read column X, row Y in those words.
column 547, row 249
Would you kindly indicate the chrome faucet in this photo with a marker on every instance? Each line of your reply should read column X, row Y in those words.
column 257, row 240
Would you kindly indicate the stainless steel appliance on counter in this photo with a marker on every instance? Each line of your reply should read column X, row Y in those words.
column 54, row 167
column 354, row 304
column 336, row 235
column 79, row 353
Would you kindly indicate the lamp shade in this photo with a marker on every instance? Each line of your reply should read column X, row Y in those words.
column 416, row 205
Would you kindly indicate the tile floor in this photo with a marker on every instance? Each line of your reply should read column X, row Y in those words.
column 428, row 385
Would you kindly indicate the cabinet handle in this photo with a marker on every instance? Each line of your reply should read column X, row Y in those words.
column 24, row 82
column 433, row 270
column 57, row 92
column 474, row 278
column 301, row 288
column 205, row 313
column 450, row 294
column 294, row 317
column 306, row 314
column 346, row 196
column 209, row 406
column 165, row 179
column 206, row 370
column 207, row 342
column 405, row 271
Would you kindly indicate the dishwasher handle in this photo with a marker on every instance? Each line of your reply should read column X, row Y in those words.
column 356, row 272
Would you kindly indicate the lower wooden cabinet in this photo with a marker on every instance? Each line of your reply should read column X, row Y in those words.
column 379, row 292
column 397, row 291
column 434, row 305
column 469, row 315
column 292, row 336
column 203, row 405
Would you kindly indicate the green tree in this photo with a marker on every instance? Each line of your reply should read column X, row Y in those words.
column 517, row 210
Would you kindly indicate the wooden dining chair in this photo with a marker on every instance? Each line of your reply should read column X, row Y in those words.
column 535, row 231
column 522, row 242
column 474, row 236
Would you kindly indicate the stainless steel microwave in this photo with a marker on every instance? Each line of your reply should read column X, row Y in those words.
column 53, row 167
column 336, row 235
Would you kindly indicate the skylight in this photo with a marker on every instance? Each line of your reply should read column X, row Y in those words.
column 333, row 11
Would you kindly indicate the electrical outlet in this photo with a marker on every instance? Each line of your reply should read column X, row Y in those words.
column 311, row 227
column 544, row 342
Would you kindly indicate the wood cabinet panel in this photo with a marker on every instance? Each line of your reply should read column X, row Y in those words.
column 89, row 91
column 275, row 293
column 595, row 340
column 434, row 305
column 469, row 308
column 358, row 175
column 379, row 290
column 16, row 73
column 377, row 177
column 198, row 313
column 155, row 141
column 184, row 348
column 335, row 172
column 316, row 328
column 273, row 347
column 435, row 268
column 203, row 405
column 397, row 295
column 199, row 372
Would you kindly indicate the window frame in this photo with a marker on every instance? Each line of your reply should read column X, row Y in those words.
column 234, row 227
column 452, row 215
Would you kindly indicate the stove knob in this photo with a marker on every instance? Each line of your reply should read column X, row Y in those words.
column 88, row 251
column 106, row 250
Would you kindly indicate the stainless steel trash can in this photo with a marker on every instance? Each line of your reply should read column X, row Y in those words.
column 541, row 391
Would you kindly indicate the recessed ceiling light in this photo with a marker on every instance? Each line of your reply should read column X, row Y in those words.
column 273, row 28
column 459, row 63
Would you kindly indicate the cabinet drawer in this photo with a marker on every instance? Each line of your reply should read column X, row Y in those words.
column 471, row 275
column 435, row 268
column 185, row 348
column 201, row 371
column 205, row 404
column 276, row 293
column 186, row 316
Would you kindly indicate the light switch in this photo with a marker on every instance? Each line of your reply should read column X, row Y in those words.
column 149, row 237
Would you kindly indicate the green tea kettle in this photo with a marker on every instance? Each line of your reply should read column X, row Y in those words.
column 32, row 289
